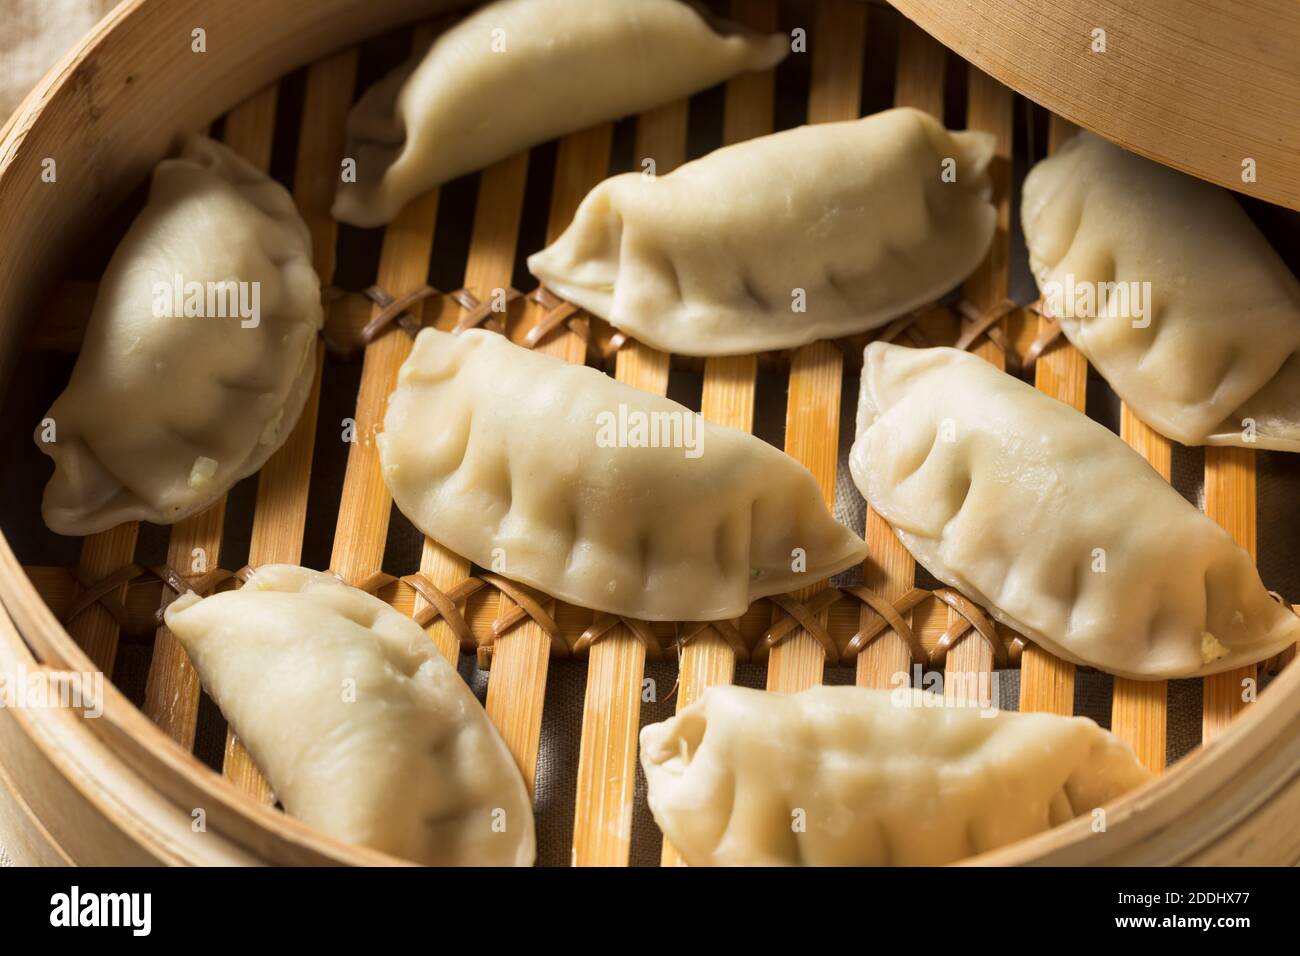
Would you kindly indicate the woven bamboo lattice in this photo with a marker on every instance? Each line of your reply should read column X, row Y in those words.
column 880, row 628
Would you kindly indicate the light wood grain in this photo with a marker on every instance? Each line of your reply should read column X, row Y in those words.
column 101, row 554
column 727, row 397
column 1139, row 709
column 602, row 821
column 172, row 690
column 1199, row 87
column 488, row 268
column 171, row 695
column 280, row 513
column 1046, row 681
column 1229, row 500
column 812, row 422
column 919, row 74
column 890, row 570
column 361, row 529
column 968, row 668
column 364, row 504
column 521, row 657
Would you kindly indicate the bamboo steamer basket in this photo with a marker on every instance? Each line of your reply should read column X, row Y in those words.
column 126, row 788
column 1198, row 87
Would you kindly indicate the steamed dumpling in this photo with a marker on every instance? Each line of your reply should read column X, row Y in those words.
column 167, row 409
column 845, row 776
column 361, row 727
column 542, row 471
column 1219, row 342
column 1053, row 523
column 518, row 72
column 812, row 233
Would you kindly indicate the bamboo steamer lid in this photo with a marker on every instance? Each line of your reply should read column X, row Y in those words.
column 1210, row 89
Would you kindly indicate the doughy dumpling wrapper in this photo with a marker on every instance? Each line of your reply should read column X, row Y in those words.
column 519, row 72
column 518, row 461
column 812, row 233
column 163, row 415
column 1223, row 340
column 361, row 727
column 1053, row 523
column 876, row 777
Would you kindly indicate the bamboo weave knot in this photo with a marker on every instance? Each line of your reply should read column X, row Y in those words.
column 446, row 606
column 397, row 310
column 889, row 616
column 605, row 623
column 979, row 323
column 101, row 592
column 690, row 631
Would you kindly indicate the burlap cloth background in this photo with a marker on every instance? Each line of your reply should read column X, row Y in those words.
column 34, row 32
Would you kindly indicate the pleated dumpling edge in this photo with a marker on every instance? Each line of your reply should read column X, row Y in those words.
column 597, row 493
column 359, row 724
column 874, row 777
column 1051, row 522
column 515, row 73
column 811, row 233
column 1172, row 293
column 197, row 358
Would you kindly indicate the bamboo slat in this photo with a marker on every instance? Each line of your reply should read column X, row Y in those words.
column 488, row 268
column 364, row 503
column 521, row 656
column 812, row 424
column 1139, row 708
column 727, row 397
column 1046, row 681
column 919, row 75
column 611, row 713
column 280, row 514
column 95, row 630
column 890, row 570
column 1229, row 500
column 172, row 690
column 989, row 108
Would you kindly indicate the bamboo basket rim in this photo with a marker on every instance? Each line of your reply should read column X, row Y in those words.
column 31, row 633
column 1030, row 46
